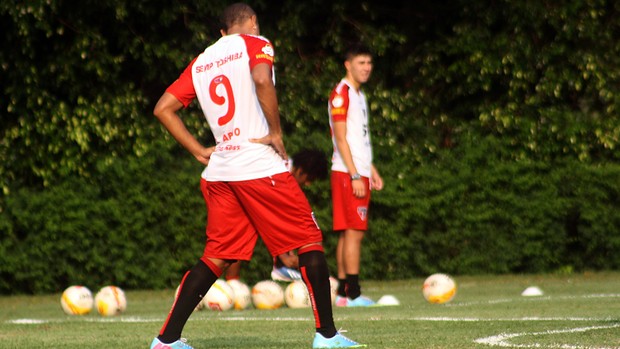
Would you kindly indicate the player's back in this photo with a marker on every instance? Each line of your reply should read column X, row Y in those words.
column 224, row 86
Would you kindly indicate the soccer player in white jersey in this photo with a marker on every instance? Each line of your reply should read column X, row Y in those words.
column 353, row 173
column 246, row 185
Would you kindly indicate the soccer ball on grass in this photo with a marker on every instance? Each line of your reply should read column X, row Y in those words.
column 267, row 294
column 76, row 300
column 439, row 288
column 110, row 300
column 243, row 295
column 296, row 295
column 220, row 296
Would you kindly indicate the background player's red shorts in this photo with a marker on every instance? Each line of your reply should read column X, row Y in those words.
column 273, row 207
column 349, row 211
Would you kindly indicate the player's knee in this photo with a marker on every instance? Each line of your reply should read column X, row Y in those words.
column 316, row 246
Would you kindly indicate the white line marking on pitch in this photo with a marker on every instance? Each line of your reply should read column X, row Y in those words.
column 136, row 319
column 534, row 299
column 502, row 340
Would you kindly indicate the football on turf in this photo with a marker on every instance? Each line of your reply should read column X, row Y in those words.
column 333, row 288
column 243, row 296
column 267, row 294
column 296, row 295
column 200, row 304
column 220, row 296
column 76, row 300
column 110, row 300
column 439, row 288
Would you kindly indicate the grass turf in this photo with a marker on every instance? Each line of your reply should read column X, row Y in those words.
column 577, row 311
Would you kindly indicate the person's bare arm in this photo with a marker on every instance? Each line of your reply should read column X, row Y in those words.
column 166, row 111
column 267, row 97
column 340, row 134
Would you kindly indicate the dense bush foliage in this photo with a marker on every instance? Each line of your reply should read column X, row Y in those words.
column 141, row 225
column 495, row 126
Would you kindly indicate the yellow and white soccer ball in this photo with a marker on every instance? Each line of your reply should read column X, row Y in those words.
column 296, row 295
column 76, row 300
column 267, row 294
column 439, row 288
column 243, row 295
column 220, row 296
column 110, row 300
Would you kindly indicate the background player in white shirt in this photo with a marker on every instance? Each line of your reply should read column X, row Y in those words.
column 246, row 185
column 353, row 172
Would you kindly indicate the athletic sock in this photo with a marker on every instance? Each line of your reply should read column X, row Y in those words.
column 342, row 287
column 314, row 272
column 353, row 286
column 194, row 286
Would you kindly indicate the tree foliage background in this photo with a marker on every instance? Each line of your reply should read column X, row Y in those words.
column 495, row 125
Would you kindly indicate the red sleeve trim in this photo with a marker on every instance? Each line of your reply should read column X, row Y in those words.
column 259, row 49
column 183, row 87
column 339, row 103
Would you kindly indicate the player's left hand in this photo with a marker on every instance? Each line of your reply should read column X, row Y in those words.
column 204, row 155
column 274, row 141
column 376, row 182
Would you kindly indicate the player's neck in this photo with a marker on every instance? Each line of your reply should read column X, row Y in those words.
column 356, row 85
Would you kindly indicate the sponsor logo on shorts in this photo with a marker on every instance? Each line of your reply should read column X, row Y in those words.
column 362, row 211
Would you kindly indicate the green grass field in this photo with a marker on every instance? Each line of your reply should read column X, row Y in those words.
column 577, row 311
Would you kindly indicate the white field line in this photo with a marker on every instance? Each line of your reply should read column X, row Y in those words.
column 537, row 298
column 134, row 319
column 502, row 340
column 222, row 317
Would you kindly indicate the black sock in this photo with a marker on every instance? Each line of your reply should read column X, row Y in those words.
column 342, row 287
column 353, row 286
column 195, row 285
column 315, row 274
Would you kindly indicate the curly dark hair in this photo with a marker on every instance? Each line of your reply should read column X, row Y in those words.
column 312, row 162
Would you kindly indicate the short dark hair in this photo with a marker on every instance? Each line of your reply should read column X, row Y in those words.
column 312, row 162
column 357, row 49
column 235, row 14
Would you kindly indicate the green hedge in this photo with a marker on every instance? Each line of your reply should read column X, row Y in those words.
column 471, row 213
column 140, row 223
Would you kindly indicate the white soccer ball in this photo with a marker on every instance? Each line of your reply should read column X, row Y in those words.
column 110, row 300
column 267, row 294
column 296, row 295
column 243, row 295
column 76, row 300
column 220, row 296
column 333, row 288
column 439, row 289
column 200, row 304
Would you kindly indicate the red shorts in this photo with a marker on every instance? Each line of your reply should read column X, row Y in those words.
column 273, row 207
column 350, row 212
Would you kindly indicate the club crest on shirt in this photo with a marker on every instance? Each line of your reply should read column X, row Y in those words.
column 337, row 102
column 362, row 211
column 268, row 50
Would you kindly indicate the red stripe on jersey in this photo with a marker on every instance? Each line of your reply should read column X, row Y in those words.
column 183, row 87
column 339, row 102
column 259, row 50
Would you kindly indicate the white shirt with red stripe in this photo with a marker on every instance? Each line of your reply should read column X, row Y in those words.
column 222, row 81
column 349, row 105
